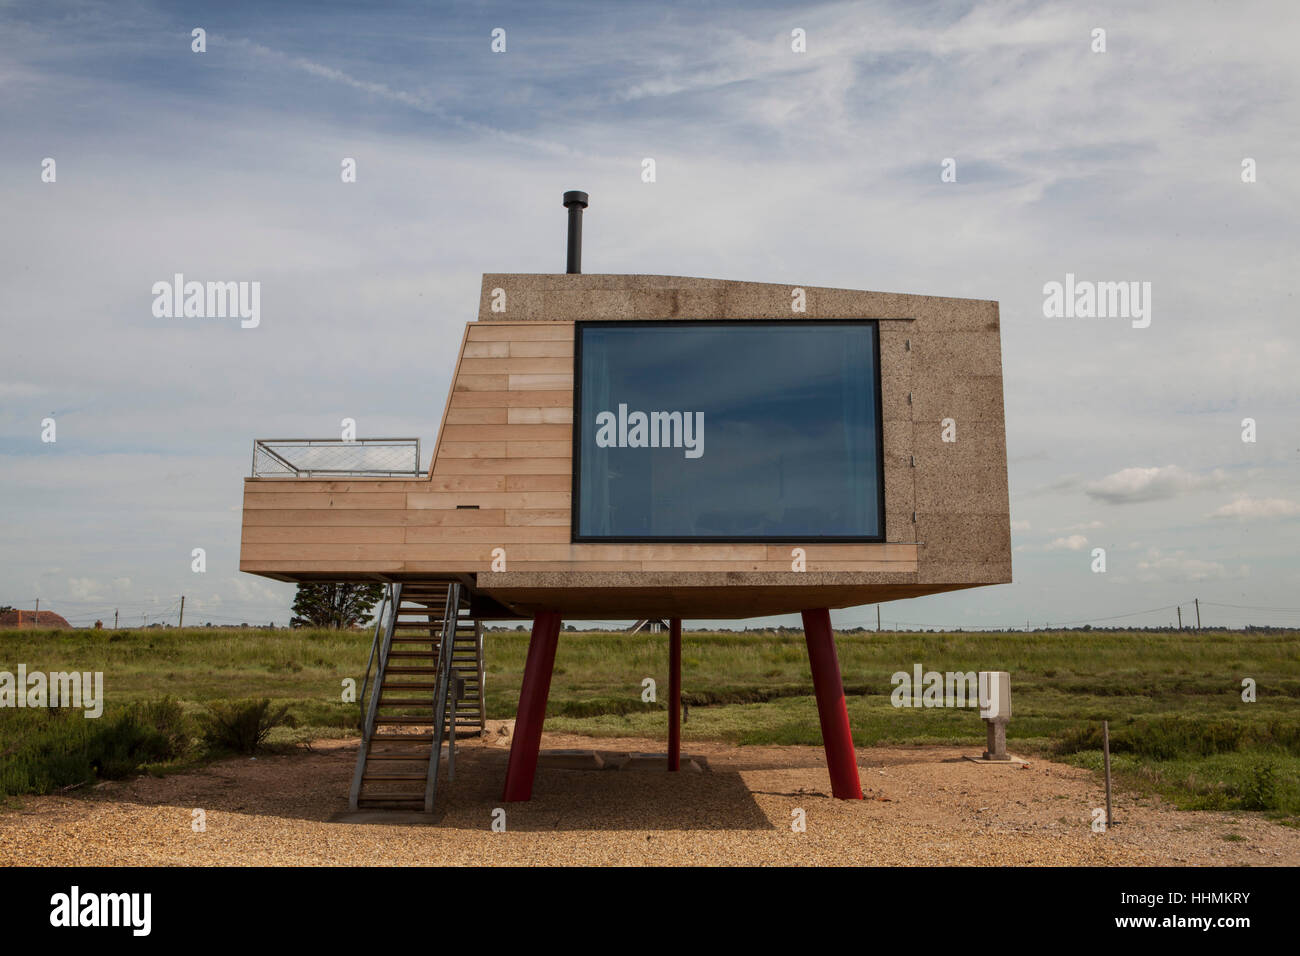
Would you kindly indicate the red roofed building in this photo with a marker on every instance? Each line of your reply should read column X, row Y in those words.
column 24, row 619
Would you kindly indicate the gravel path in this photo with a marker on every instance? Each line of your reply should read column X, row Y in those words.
column 924, row 806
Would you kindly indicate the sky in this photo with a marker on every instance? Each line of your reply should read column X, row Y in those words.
column 816, row 168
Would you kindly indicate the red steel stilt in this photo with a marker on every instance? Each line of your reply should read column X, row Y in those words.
column 675, row 694
column 532, row 706
column 841, row 760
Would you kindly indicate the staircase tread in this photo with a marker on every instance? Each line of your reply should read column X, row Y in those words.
column 407, row 702
column 389, row 801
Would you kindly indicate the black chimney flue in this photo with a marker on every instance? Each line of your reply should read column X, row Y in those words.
column 575, row 201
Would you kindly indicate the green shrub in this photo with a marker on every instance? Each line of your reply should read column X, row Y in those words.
column 242, row 725
column 1171, row 737
column 56, row 748
column 600, row 706
column 147, row 732
column 1260, row 789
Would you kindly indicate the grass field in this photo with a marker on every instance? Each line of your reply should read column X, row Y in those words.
column 1179, row 725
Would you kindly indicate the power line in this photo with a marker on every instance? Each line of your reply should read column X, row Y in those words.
column 1019, row 626
column 1249, row 607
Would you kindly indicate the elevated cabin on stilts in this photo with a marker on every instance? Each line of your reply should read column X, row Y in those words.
column 658, row 448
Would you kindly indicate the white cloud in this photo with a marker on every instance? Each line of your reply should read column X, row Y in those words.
column 84, row 588
column 1083, row 526
column 1151, row 484
column 1075, row 542
column 1178, row 565
column 1020, row 526
column 1245, row 507
column 259, row 591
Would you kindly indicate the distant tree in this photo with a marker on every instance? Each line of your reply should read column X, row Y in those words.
column 335, row 605
column 5, row 609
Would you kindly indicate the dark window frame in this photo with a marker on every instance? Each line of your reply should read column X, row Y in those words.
column 576, row 496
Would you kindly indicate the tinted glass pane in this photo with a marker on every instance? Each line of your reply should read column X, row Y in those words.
column 728, row 430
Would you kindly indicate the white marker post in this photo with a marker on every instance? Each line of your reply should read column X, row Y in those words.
column 995, row 708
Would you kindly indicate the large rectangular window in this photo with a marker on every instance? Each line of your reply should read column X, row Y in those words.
column 727, row 431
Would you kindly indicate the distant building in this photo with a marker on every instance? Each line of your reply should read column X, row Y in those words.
column 31, row 619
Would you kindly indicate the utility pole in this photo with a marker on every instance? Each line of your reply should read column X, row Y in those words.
column 115, row 618
column 181, row 623
column 38, row 610
column 1197, row 602
column 877, row 618
column 1180, row 617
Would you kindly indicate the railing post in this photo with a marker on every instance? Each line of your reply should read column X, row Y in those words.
column 368, row 727
column 374, row 646
column 450, row 621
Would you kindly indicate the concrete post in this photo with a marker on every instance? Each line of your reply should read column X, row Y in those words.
column 997, row 742
column 995, row 708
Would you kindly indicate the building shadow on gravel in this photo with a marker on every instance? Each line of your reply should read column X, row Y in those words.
column 313, row 785
column 631, row 800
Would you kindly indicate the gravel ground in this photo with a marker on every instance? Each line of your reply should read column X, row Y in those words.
column 924, row 806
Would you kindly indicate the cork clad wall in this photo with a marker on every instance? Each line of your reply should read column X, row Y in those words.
column 502, row 471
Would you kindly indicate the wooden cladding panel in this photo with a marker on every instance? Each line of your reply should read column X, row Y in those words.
column 545, row 416
column 525, row 545
column 477, row 416
column 503, row 466
column 502, row 449
column 538, row 381
column 554, row 349
column 495, row 365
column 358, row 500
column 485, row 350
column 494, row 517
column 521, row 332
column 501, row 478
column 538, row 482
column 472, row 555
column 536, row 431
column 514, row 499
column 555, row 398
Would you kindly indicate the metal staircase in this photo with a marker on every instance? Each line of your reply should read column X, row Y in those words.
column 428, row 685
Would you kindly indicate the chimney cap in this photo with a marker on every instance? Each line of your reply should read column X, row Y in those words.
column 575, row 197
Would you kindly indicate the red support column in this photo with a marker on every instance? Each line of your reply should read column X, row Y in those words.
column 532, row 706
column 841, row 760
column 675, row 694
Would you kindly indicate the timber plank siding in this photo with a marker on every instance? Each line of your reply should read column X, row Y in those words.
column 501, row 475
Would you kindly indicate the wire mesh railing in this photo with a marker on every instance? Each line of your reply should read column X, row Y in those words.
column 333, row 457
